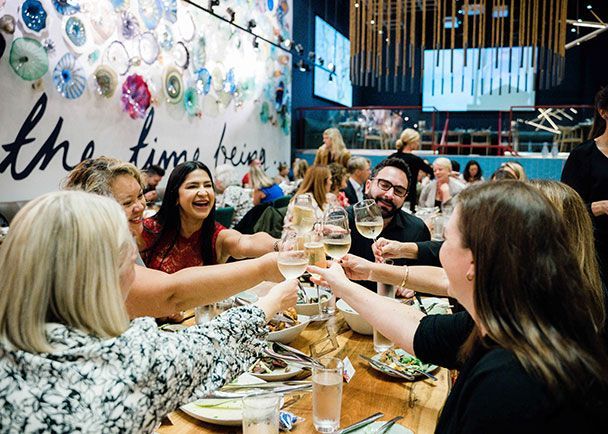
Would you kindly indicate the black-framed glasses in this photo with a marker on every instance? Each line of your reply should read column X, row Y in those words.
column 387, row 185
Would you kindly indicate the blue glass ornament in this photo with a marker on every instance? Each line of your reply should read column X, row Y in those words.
column 33, row 15
column 69, row 78
column 129, row 26
column 119, row 5
column 66, row 7
column 270, row 5
column 74, row 29
column 170, row 7
column 202, row 81
column 229, row 86
column 165, row 39
column 150, row 11
column 191, row 102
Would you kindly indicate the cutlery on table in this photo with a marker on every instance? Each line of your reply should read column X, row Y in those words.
column 386, row 426
column 420, row 305
column 423, row 372
column 385, row 367
column 267, row 385
column 284, row 318
column 360, row 424
column 299, row 354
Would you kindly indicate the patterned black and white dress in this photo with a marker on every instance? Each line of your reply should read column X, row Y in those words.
column 125, row 384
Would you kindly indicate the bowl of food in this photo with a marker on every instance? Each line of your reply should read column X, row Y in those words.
column 355, row 321
column 308, row 300
column 272, row 369
column 286, row 327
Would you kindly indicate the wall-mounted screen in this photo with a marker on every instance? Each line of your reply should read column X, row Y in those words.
column 483, row 84
column 332, row 47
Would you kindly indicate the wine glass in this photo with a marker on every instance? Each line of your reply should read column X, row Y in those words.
column 303, row 213
column 336, row 233
column 316, row 256
column 292, row 259
column 368, row 219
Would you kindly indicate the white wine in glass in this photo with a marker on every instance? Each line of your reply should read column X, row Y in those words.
column 303, row 213
column 368, row 219
column 336, row 233
column 370, row 229
column 292, row 259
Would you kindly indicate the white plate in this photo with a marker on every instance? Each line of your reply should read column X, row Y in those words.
column 280, row 374
column 430, row 368
column 395, row 429
column 311, row 309
column 289, row 334
column 439, row 306
column 246, row 296
column 353, row 319
column 230, row 414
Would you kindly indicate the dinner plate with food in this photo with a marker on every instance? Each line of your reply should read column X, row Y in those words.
column 272, row 369
column 308, row 300
column 287, row 326
column 401, row 361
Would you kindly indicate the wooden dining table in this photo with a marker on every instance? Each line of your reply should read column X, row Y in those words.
column 368, row 391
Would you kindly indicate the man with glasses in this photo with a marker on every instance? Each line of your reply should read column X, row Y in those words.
column 388, row 187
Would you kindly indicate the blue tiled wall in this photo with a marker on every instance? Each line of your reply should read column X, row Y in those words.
column 536, row 168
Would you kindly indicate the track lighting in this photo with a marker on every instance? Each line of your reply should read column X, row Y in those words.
column 299, row 49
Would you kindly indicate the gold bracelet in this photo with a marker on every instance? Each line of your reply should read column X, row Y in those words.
column 405, row 277
column 275, row 246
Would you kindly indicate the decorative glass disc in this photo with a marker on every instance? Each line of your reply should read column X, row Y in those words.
column 28, row 59
column 69, row 78
column 202, row 81
column 173, row 85
column 75, row 32
column 105, row 81
column 33, row 15
column 186, row 26
column 150, row 12
column 66, row 7
column 118, row 57
column 129, row 26
column 148, row 48
column 165, row 39
column 181, row 55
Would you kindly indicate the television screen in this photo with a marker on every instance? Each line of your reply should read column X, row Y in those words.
column 483, row 84
column 334, row 49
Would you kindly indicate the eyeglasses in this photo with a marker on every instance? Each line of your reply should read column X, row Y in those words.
column 386, row 186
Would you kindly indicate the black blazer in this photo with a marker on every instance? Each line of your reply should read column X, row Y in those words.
column 350, row 193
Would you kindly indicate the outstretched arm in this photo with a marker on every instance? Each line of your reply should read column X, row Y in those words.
column 233, row 243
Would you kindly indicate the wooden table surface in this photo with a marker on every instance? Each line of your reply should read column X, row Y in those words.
column 369, row 391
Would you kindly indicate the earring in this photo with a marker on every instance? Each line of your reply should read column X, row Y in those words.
column 469, row 277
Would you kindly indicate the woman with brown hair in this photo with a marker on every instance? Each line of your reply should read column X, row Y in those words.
column 333, row 149
column 529, row 361
column 339, row 176
column 586, row 170
column 317, row 182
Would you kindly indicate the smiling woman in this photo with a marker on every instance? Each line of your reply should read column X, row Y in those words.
column 184, row 233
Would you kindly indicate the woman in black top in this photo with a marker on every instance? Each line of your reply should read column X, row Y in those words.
column 410, row 141
column 529, row 348
column 586, row 171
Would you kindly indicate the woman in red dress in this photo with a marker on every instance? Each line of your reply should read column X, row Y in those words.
column 184, row 233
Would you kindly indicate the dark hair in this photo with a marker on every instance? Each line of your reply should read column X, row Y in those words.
column 502, row 174
column 455, row 165
column 155, row 170
column 519, row 297
column 601, row 103
column 168, row 216
column 393, row 162
column 467, row 175
column 338, row 173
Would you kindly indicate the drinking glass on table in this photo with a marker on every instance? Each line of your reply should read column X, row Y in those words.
column 327, row 394
column 303, row 213
column 292, row 259
column 261, row 414
column 381, row 342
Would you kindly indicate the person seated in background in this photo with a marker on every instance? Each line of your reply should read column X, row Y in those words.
column 388, row 188
column 184, row 232
column 155, row 293
column 333, row 149
column 153, row 175
column 516, row 169
column 71, row 360
column 521, row 351
column 265, row 190
column 472, row 173
column 230, row 193
column 503, row 174
column 455, row 169
column 443, row 188
column 359, row 172
column 317, row 183
column 410, row 141
column 338, row 184
column 283, row 174
column 245, row 181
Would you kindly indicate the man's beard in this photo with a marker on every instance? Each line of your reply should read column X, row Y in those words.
column 386, row 213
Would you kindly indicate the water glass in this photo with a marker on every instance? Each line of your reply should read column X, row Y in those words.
column 438, row 223
column 327, row 394
column 381, row 342
column 261, row 414
column 204, row 314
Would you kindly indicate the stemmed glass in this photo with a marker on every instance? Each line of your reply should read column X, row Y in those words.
column 303, row 213
column 368, row 219
column 292, row 259
column 336, row 233
column 316, row 256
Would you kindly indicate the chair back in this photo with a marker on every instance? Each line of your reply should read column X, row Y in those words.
column 224, row 216
column 281, row 201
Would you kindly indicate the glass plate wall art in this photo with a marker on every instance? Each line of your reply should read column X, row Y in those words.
column 105, row 81
column 33, row 16
column 150, row 12
column 120, row 5
column 173, row 85
column 185, row 25
column 136, row 96
column 170, row 7
column 118, row 57
column 202, row 81
column 102, row 20
column 69, row 78
column 191, row 102
column 165, row 38
column 148, row 48
column 180, row 54
column 129, row 26
column 76, row 33
column 66, row 7
column 28, row 58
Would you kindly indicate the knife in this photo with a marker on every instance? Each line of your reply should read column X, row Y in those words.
column 420, row 305
column 385, row 367
column 385, row 427
column 360, row 424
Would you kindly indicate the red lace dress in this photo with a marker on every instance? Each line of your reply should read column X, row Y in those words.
column 185, row 253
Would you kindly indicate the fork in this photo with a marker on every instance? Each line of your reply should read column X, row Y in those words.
column 387, row 425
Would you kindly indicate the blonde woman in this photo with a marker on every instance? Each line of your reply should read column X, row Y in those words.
column 410, row 141
column 443, row 188
column 156, row 293
column 317, row 183
column 265, row 190
column 71, row 361
column 333, row 149
column 528, row 361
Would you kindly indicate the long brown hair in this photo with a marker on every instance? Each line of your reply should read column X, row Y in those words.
column 314, row 182
column 601, row 103
column 529, row 288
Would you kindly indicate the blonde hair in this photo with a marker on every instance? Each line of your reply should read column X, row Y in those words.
column 96, row 175
column 61, row 263
column 300, row 168
column 408, row 137
column 517, row 169
column 337, row 142
column 443, row 162
column 315, row 182
column 258, row 177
